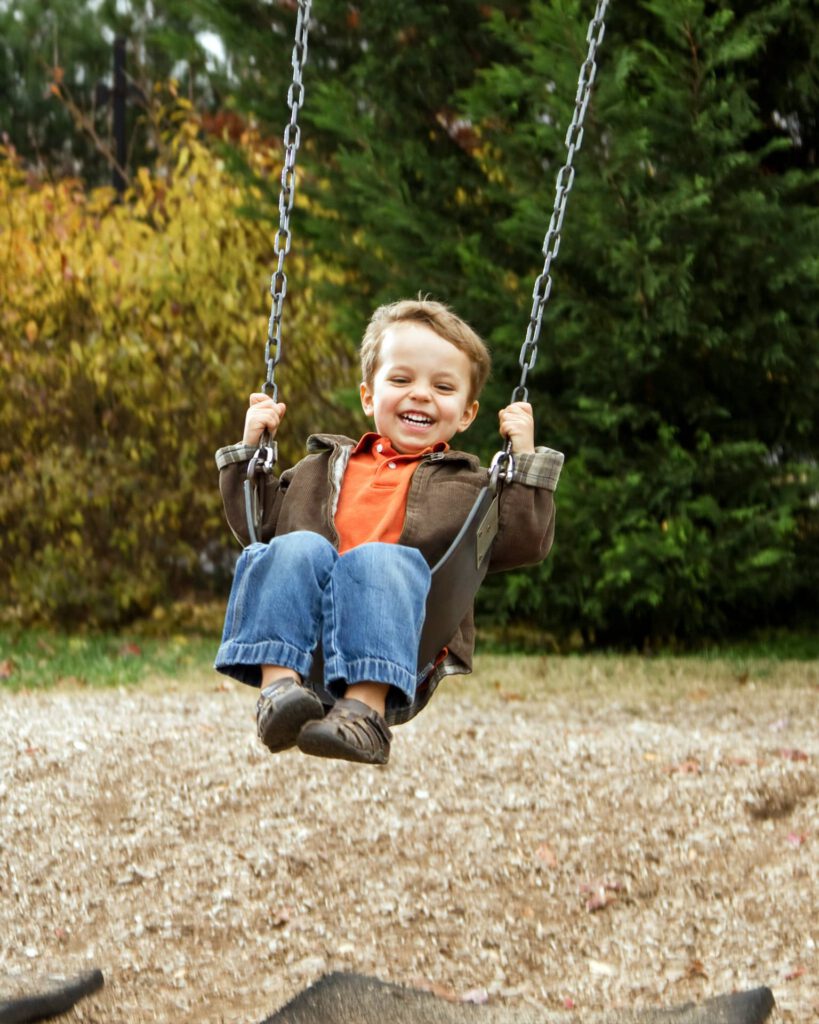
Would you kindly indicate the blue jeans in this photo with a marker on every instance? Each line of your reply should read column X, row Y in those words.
column 366, row 608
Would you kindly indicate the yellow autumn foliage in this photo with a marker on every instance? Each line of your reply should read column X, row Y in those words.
column 130, row 336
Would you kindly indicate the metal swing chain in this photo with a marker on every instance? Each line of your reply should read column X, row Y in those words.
column 262, row 462
column 551, row 243
column 281, row 246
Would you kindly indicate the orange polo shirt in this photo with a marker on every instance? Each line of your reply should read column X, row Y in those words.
column 373, row 499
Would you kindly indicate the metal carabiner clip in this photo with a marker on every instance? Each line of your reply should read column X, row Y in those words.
column 501, row 469
column 262, row 462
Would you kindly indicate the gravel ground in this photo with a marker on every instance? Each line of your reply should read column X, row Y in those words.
column 563, row 833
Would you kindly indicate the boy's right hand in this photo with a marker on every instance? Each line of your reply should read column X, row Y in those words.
column 263, row 414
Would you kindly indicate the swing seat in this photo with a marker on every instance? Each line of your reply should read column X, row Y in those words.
column 456, row 577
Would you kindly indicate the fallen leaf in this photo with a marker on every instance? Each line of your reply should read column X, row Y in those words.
column 69, row 681
column 569, row 1003
column 436, row 989
column 689, row 767
column 599, row 900
column 695, row 969
column 545, row 853
column 793, row 755
column 507, row 695
column 797, row 838
column 7, row 668
column 795, row 973
column 130, row 650
column 601, row 893
column 477, row 996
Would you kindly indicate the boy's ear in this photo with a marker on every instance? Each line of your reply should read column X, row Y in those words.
column 470, row 412
column 366, row 398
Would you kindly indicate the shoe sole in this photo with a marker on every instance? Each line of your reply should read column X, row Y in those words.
column 284, row 722
column 320, row 743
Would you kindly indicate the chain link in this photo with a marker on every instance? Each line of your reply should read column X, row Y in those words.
column 565, row 180
column 281, row 246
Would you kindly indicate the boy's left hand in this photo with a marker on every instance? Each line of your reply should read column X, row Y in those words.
column 517, row 423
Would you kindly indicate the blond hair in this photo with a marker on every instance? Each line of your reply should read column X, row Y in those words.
column 437, row 317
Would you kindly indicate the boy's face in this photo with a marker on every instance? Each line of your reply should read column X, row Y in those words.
column 420, row 393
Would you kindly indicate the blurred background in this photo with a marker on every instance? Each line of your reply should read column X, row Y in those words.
column 679, row 360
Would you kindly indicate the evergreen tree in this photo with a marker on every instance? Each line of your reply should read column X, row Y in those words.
column 679, row 362
column 682, row 362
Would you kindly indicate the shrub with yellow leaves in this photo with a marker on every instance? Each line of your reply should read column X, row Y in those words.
column 130, row 336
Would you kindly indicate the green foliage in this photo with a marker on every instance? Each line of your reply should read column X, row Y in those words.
column 682, row 367
column 679, row 364
column 679, row 361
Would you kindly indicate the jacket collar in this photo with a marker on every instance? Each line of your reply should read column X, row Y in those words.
column 331, row 442
column 327, row 442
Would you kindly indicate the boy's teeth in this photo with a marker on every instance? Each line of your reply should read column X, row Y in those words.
column 416, row 419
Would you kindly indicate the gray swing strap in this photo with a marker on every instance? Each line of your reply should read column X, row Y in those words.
column 457, row 576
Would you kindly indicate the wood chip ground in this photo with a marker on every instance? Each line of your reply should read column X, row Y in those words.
column 555, row 833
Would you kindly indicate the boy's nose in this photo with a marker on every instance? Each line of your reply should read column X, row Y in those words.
column 420, row 390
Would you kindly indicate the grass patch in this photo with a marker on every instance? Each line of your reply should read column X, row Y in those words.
column 776, row 645
column 769, row 644
column 35, row 659
column 599, row 678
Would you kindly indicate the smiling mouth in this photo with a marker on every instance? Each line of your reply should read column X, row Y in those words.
column 416, row 419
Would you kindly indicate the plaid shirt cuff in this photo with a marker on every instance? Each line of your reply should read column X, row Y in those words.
column 540, row 468
column 240, row 452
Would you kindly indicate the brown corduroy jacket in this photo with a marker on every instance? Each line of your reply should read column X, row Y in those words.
column 443, row 489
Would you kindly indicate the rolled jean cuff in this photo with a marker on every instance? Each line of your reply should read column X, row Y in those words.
column 243, row 662
column 340, row 674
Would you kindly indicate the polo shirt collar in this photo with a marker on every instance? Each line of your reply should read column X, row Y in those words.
column 370, row 442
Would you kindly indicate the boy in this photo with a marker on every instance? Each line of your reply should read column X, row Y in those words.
column 352, row 530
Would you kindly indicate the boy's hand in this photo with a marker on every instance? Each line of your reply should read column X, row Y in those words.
column 518, row 424
column 263, row 414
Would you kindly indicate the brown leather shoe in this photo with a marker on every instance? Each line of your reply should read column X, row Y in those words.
column 282, row 709
column 351, row 731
